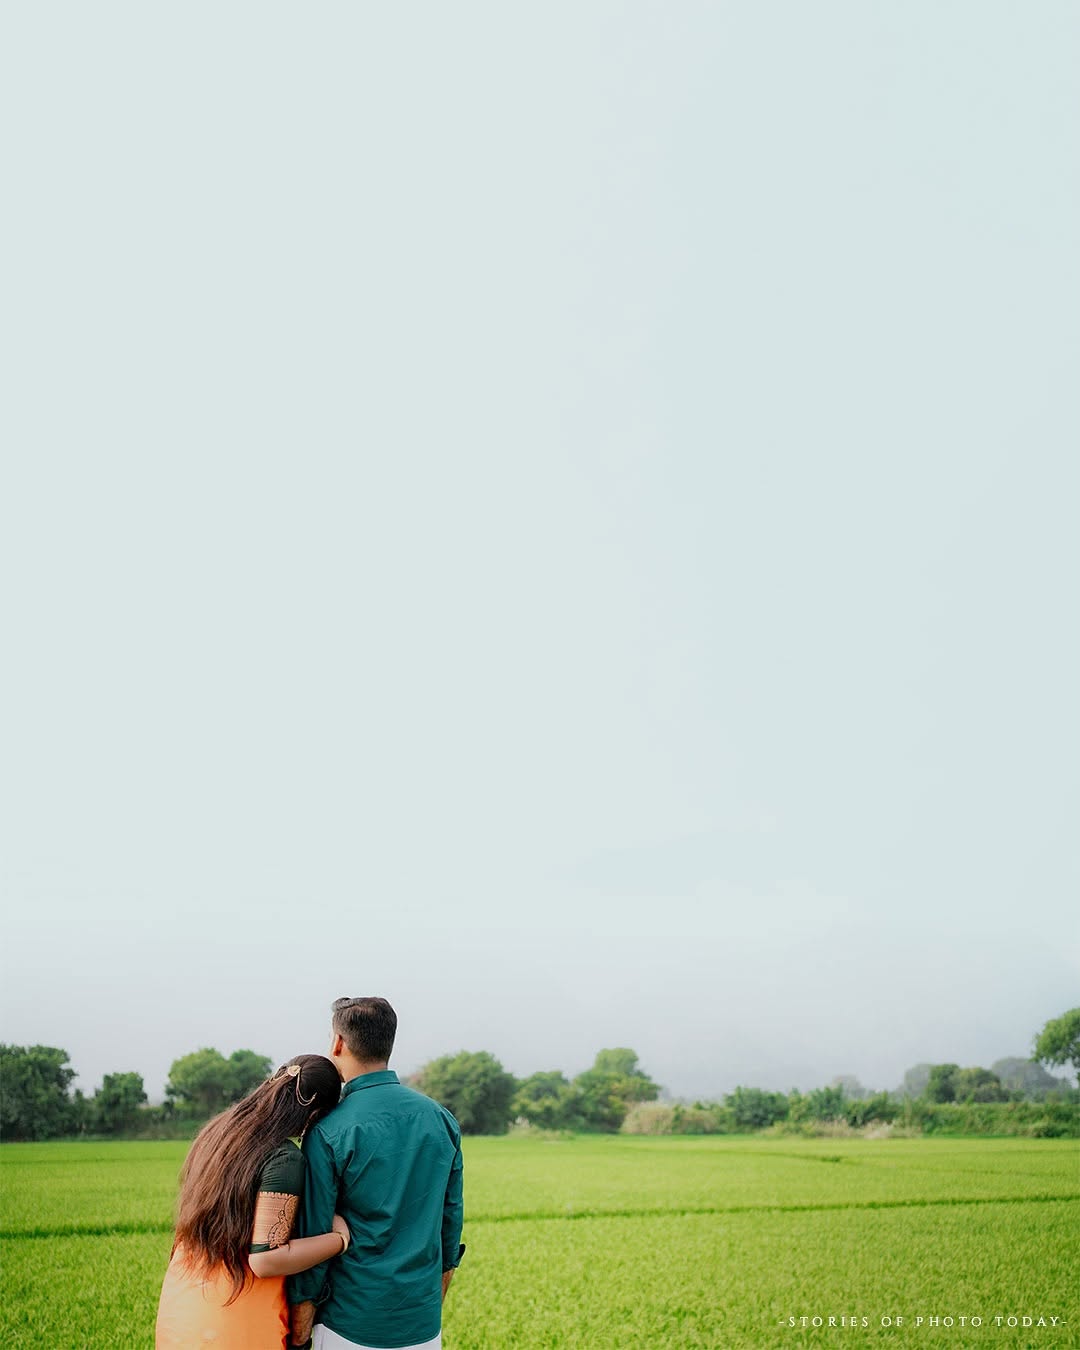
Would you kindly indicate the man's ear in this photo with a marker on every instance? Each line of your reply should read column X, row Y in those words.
column 337, row 1047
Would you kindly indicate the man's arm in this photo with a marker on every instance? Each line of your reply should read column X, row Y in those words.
column 316, row 1216
column 301, row 1320
column 453, row 1212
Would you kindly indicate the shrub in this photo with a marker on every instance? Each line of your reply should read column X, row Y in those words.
column 649, row 1118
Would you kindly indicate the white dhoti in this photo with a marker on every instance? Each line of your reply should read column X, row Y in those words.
column 322, row 1338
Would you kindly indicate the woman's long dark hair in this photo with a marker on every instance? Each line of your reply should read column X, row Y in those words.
column 220, row 1180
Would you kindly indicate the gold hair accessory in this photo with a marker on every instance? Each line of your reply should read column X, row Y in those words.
column 293, row 1071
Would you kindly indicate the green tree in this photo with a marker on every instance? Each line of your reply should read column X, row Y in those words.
column 1058, row 1043
column 200, row 1082
column 621, row 1060
column 547, row 1100
column 246, row 1071
column 878, row 1107
column 607, row 1091
column 825, row 1103
column 754, row 1109
column 82, row 1113
column 979, row 1085
column 474, row 1087
column 115, row 1106
column 941, row 1086
column 205, row 1082
column 599, row 1106
column 34, row 1092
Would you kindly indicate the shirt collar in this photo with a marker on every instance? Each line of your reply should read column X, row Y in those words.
column 366, row 1080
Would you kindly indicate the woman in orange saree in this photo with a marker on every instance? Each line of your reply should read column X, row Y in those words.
column 239, row 1191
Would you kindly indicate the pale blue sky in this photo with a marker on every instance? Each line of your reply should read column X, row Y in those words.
column 563, row 517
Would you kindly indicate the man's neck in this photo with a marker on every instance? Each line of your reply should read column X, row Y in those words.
column 354, row 1068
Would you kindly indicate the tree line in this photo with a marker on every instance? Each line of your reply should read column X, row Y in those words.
column 486, row 1099
column 36, row 1100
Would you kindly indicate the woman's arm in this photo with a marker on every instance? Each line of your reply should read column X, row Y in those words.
column 273, row 1249
column 296, row 1255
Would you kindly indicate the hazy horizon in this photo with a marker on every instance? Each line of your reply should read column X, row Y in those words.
column 564, row 519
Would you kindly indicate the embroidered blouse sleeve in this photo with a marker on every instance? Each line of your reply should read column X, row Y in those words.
column 280, row 1188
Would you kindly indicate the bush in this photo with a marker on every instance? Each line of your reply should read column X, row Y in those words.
column 753, row 1109
column 880, row 1107
column 1034, row 1120
column 703, row 1118
column 677, row 1118
column 649, row 1118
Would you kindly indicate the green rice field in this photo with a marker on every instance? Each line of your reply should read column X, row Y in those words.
column 625, row 1241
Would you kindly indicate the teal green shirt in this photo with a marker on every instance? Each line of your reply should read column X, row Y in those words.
column 388, row 1160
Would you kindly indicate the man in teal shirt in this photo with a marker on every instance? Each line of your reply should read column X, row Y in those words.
column 388, row 1160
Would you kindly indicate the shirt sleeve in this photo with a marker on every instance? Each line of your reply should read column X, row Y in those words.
column 316, row 1216
column 453, row 1212
column 281, row 1185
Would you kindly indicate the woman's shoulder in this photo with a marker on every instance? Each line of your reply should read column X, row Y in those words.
column 283, row 1171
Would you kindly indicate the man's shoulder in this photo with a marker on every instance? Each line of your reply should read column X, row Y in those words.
column 328, row 1127
column 420, row 1102
column 357, row 1111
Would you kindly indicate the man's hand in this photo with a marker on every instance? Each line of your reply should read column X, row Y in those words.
column 302, row 1317
column 447, row 1276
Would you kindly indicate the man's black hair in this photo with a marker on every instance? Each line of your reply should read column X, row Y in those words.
column 366, row 1025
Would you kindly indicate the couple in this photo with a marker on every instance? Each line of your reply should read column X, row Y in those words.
column 365, row 1221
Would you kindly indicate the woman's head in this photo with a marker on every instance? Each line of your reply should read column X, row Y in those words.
column 220, row 1180
column 302, row 1091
